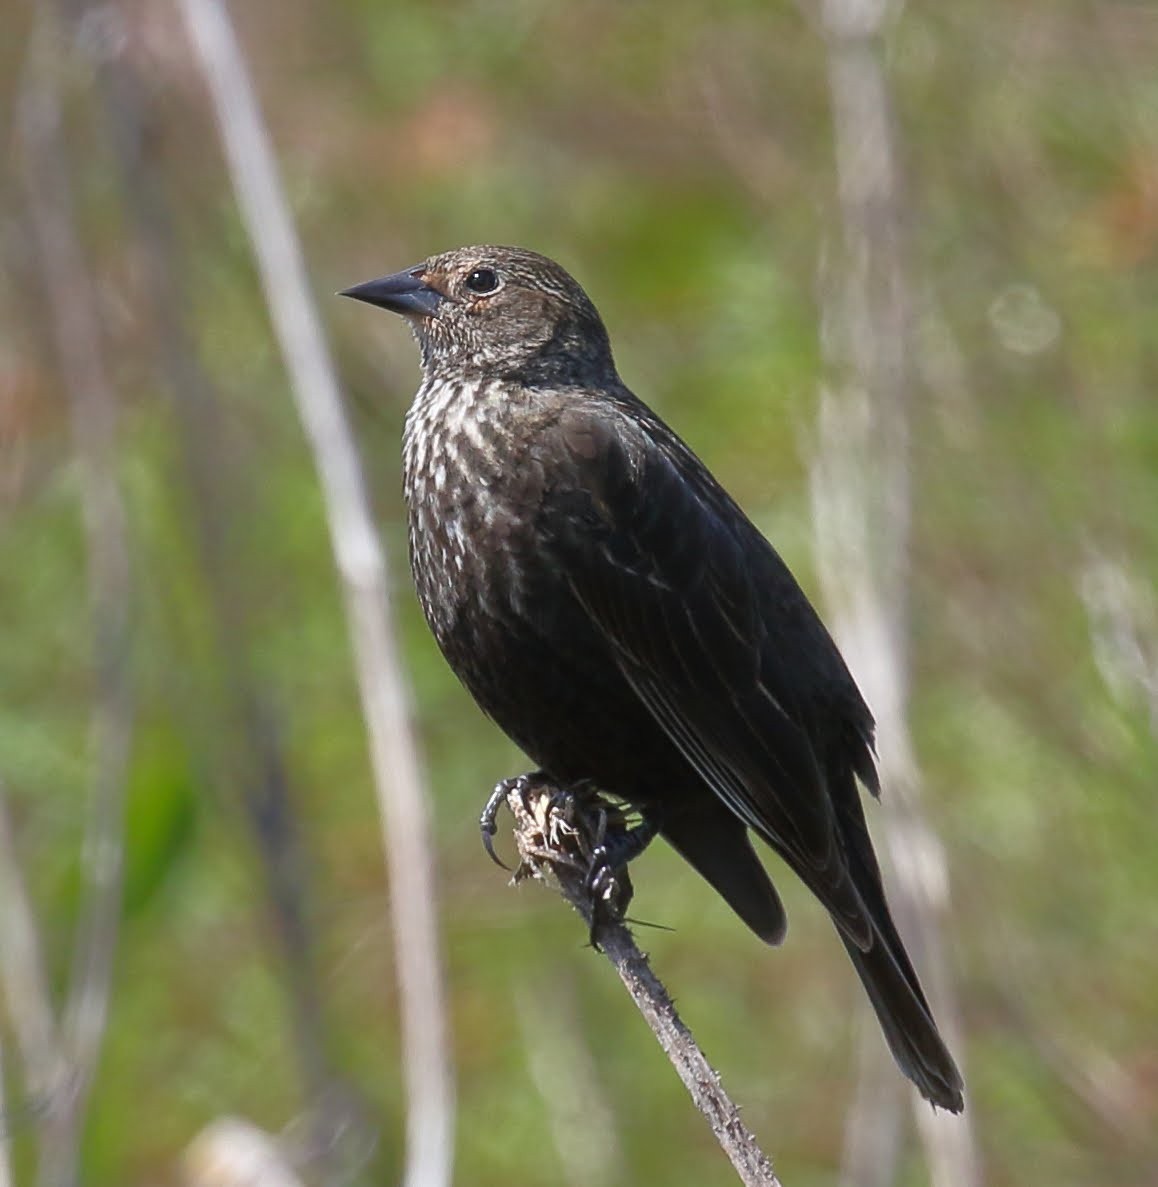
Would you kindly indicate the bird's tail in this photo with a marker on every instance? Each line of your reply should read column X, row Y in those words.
column 884, row 966
column 716, row 843
column 905, row 1018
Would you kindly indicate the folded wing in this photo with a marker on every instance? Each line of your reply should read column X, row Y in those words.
column 694, row 615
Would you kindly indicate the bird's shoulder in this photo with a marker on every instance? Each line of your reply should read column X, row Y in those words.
column 615, row 465
column 610, row 446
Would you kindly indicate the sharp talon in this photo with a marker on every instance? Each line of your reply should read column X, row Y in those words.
column 488, row 820
column 488, row 840
column 572, row 833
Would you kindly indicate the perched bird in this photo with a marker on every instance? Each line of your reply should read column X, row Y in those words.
column 613, row 610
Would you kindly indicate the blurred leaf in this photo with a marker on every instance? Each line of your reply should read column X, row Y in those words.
column 162, row 810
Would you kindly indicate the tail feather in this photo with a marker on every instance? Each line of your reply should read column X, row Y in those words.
column 907, row 1023
column 716, row 843
column 884, row 966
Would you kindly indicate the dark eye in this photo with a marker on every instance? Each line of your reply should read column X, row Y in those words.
column 483, row 280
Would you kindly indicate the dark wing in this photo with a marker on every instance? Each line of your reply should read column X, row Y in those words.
column 710, row 631
column 719, row 643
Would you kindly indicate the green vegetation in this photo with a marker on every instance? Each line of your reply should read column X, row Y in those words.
column 677, row 158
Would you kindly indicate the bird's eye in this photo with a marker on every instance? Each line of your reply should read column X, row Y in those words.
column 482, row 281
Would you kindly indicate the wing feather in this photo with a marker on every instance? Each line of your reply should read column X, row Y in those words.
column 663, row 574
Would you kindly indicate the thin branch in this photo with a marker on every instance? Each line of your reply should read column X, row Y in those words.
column 23, row 980
column 247, row 720
column 862, row 500
column 72, row 309
column 563, row 1069
column 558, row 836
column 6, row 1179
column 873, row 1129
column 362, row 566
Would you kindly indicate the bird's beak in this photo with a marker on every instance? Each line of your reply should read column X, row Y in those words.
column 404, row 292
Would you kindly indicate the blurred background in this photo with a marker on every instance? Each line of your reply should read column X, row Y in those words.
column 192, row 878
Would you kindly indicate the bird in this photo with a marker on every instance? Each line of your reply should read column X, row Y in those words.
column 613, row 610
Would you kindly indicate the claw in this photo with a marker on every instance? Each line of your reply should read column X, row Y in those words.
column 572, row 832
column 488, row 821
column 488, row 840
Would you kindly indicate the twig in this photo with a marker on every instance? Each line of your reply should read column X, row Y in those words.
column 23, row 979
column 563, row 1069
column 862, row 501
column 6, row 1179
column 874, row 1131
column 71, row 303
column 559, row 836
column 256, row 763
column 361, row 563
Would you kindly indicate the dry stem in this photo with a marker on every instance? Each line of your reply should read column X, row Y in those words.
column 362, row 565
column 558, row 835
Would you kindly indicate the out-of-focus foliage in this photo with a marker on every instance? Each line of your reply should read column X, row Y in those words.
column 677, row 158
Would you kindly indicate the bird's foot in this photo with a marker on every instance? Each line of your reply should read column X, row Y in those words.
column 488, row 821
column 607, row 880
column 574, row 838
column 620, row 844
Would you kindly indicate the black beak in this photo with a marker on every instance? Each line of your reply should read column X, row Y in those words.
column 404, row 292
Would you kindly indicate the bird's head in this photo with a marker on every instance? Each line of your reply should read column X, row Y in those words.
column 503, row 311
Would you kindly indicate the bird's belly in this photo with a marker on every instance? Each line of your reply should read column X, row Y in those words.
column 572, row 712
column 514, row 634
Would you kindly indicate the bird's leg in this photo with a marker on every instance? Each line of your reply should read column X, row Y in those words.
column 607, row 879
column 488, row 821
column 623, row 845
